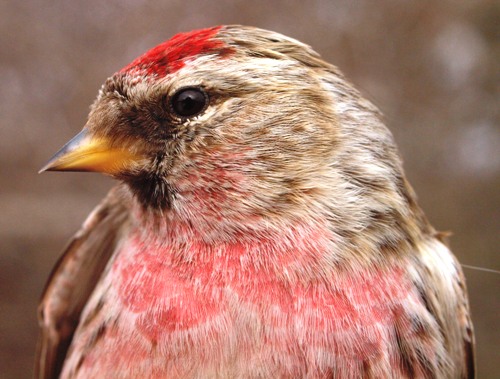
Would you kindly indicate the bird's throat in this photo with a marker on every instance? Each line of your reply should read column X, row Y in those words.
column 153, row 193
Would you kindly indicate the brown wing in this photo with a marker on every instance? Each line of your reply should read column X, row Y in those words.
column 73, row 280
column 468, row 335
column 450, row 309
column 466, row 351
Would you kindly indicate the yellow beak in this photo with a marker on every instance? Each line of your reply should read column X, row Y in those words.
column 88, row 153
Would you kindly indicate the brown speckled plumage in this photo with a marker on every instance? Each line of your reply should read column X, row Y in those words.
column 272, row 234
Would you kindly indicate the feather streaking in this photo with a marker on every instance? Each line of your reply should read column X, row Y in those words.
column 272, row 234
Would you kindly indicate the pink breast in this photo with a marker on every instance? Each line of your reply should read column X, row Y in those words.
column 170, row 294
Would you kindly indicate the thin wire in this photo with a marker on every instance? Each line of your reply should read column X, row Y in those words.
column 481, row 269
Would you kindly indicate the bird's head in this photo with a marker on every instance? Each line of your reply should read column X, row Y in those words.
column 236, row 122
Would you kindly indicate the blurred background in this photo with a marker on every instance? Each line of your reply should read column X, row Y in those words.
column 431, row 66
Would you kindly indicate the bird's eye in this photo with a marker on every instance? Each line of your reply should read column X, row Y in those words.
column 189, row 102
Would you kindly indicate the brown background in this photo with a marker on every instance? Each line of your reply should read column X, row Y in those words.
column 431, row 66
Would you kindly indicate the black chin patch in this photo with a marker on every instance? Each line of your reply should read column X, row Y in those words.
column 153, row 192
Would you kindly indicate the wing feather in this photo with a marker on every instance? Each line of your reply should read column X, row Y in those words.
column 73, row 279
column 446, row 300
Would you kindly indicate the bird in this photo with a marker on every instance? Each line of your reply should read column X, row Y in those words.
column 262, row 226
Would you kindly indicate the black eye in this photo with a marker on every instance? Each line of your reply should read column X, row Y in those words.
column 189, row 102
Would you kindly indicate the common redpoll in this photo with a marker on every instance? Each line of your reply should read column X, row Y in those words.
column 263, row 228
